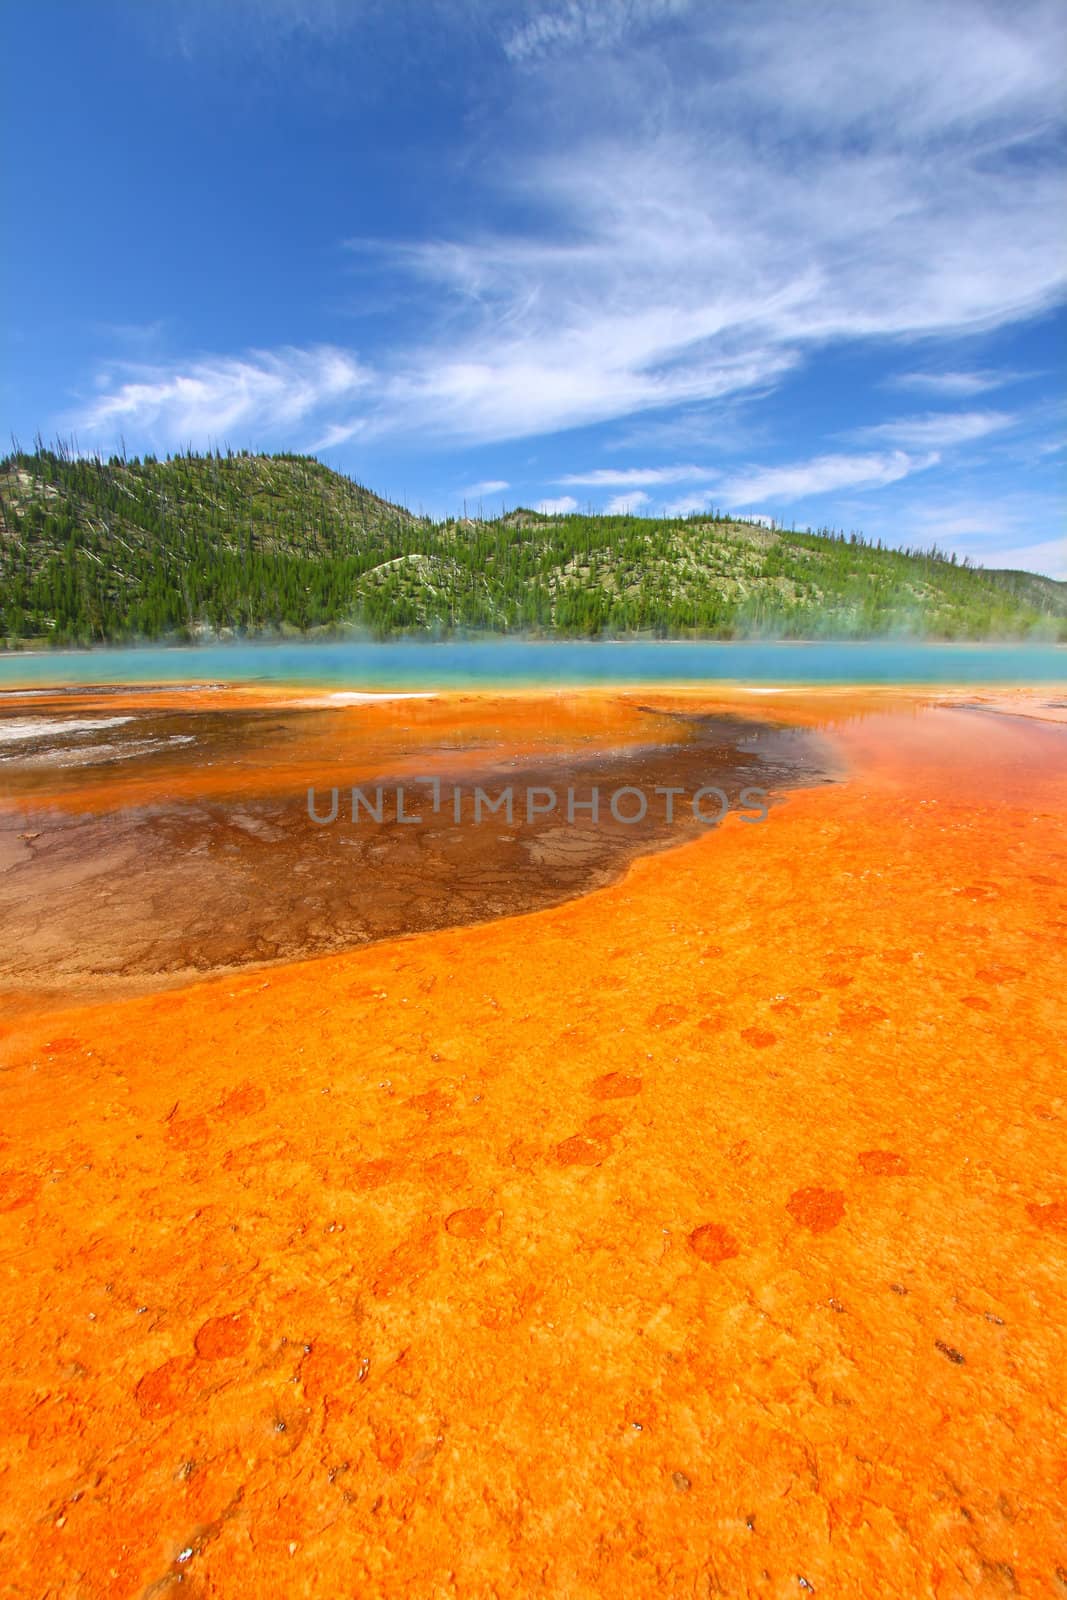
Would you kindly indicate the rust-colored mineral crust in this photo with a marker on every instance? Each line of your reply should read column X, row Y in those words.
column 703, row 1235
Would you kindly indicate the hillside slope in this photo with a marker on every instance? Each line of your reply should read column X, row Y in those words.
column 194, row 546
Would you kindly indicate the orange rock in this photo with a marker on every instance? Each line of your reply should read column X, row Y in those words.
column 883, row 1163
column 371, row 1174
column 468, row 1224
column 862, row 1016
column 666, row 1016
column 167, row 1389
column 432, row 1102
column 603, row 1126
column 410, row 1260
column 446, row 1170
column 1000, row 972
column 223, row 1336
column 579, row 1151
column 188, row 1133
column 615, row 1086
column 759, row 1038
column 1053, row 1215
column 816, row 1209
column 333, row 1375
column 18, row 1189
column 242, row 1101
column 714, row 1243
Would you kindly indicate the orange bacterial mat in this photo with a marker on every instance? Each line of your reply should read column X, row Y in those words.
column 703, row 1235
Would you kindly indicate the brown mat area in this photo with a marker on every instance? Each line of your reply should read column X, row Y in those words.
column 132, row 894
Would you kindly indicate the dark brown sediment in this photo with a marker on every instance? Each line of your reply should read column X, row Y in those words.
column 219, row 864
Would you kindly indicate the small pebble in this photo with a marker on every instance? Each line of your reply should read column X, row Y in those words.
column 681, row 1482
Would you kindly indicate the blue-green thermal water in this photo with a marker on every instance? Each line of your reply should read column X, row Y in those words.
column 493, row 664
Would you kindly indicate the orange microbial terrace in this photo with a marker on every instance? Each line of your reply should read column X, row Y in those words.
column 659, row 1211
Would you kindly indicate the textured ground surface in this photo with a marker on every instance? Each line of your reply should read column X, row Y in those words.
column 704, row 1235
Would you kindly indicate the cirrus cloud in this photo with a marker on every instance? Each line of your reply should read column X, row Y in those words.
column 623, row 505
column 625, row 477
column 216, row 396
column 802, row 480
column 952, row 385
column 938, row 430
column 707, row 212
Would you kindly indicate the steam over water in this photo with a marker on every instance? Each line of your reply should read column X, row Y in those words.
column 498, row 664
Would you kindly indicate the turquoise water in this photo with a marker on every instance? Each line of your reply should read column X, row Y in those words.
column 515, row 663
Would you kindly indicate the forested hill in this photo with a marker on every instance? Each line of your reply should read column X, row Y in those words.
column 200, row 545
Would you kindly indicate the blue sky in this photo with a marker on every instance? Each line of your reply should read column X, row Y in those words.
column 804, row 261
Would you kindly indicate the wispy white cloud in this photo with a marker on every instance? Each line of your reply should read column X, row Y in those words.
column 490, row 486
column 695, row 259
column 220, row 397
column 953, row 385
column 558, row 507
column 821, row 476
column 750, row 184
column 622, row 477
column 803, row 480
column 938, row 430
column 339, row 433
column 621, row 505
column 586, row 23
